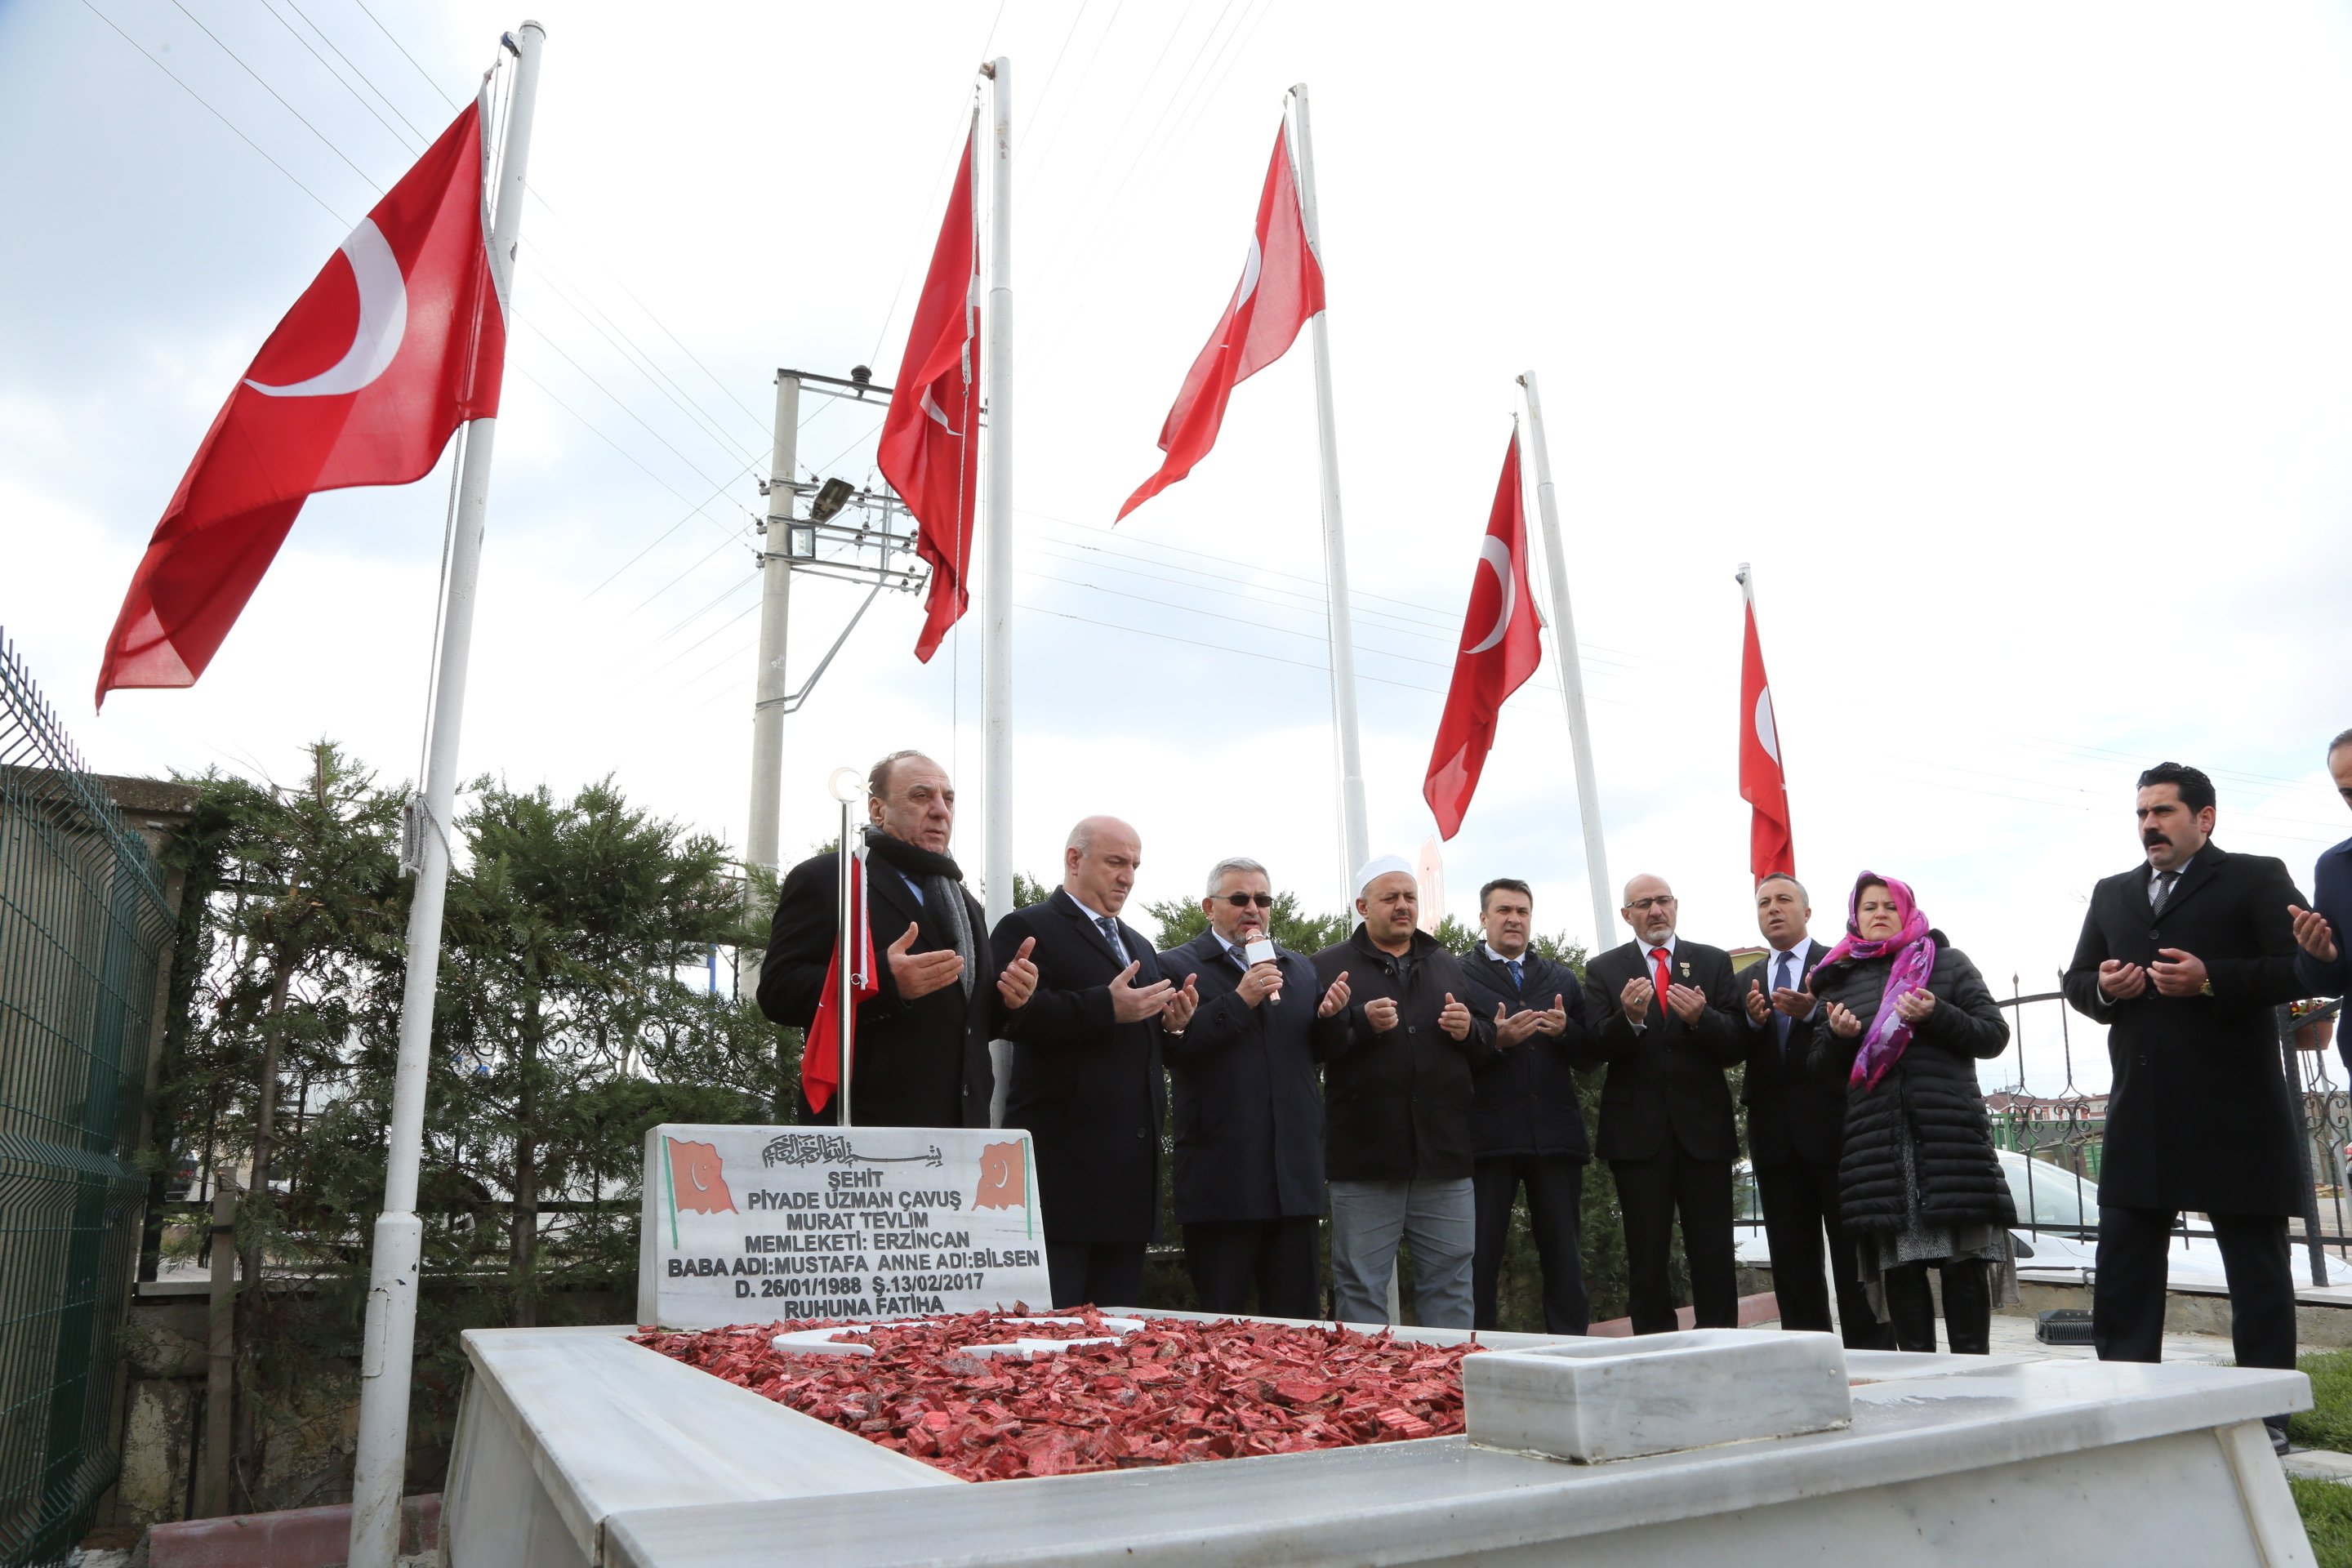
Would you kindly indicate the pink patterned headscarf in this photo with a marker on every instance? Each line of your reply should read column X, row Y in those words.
column 1914, row 961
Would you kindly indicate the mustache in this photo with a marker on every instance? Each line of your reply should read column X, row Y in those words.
column 2152, row 837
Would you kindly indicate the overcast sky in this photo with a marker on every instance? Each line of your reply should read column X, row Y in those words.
column 2009, row 342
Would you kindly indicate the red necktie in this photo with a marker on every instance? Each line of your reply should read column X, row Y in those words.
column 1658, row 959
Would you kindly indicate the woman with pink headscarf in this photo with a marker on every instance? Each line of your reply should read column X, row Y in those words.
column 1919, row 1184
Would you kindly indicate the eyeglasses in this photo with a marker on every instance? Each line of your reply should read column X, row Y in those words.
column 1244, row 901
column 1663, row 901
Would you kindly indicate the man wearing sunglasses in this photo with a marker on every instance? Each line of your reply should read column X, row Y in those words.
column 1249, row 1110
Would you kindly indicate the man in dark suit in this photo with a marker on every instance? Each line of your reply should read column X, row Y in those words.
column 1796, row 1127
column 2324, row 932
column 2183, row 958
column 1249, row 1106
column 1665, row 1016
column 922, row 1045
column 1399, row 1096
column 1526, row 1126
column 1086, row 1067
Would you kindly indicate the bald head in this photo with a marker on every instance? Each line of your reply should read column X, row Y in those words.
column 1099, row 863
column 1649, row 907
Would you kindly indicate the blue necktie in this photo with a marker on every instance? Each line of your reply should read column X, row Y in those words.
column 1781, row 983
column 1513, row 966
column 1110, row 934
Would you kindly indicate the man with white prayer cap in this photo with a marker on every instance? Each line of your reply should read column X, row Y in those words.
column 1397, row 1098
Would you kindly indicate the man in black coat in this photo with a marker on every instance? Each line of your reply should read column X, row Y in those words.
column 2183, row 958
column 922, row 1045
column 1086, row 1067
column 1525, row 1125
column 1665, row 1016
column 2324, row 932
column 1249, row 1108
column 1397, row 1098
column 1796, row 1126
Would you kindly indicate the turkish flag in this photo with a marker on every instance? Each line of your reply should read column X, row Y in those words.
column 1281, row 290
column 399, row 340
column 698, row 1180
column 928, row 449
column 821, row 1049
column 1501, row 646
column 1761, row 783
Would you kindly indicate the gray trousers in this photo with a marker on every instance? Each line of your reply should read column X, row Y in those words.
column 1439, row 1219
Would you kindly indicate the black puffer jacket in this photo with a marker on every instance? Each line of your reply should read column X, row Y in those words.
column 1930, row 1096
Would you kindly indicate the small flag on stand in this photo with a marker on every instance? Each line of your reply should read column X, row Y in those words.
column 1280, row 291
column 1761, row 781
column 400, row 339
column 1501, row 646
column 927, row 450
column 821, row 1052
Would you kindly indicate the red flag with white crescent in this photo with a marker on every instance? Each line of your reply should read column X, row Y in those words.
column 400, row 339
column 929, row 451
column 1280, row 291
column 1761, row 781
column 1501, row 647
column 820, row 1050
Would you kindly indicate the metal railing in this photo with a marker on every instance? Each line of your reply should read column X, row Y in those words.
column 84, row 932
column 2061, row 1134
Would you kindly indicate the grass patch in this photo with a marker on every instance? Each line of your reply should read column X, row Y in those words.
column 2327, row 1509
column 2328, row 1422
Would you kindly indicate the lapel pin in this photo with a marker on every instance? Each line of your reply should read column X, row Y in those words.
column 1685, row 971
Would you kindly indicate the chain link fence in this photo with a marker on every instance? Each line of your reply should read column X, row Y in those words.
column 85, row 930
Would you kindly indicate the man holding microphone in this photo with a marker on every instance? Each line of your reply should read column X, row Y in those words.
column 1249, row 1111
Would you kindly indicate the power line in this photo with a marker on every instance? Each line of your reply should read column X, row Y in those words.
column 1053, row 75
column 323, row 204
column 623, row 408
column 694, row 413
column 718, row 491
column 1073, row 259
column 273, row 92
column 291, row 32
column 429, row 80
column 681, row 577
column 1053, row 140
column 600, row 434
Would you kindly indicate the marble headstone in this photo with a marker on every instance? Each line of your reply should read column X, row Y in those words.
column 747, row 1225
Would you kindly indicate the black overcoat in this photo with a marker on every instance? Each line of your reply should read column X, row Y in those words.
column 1249, row 1103
column 1087, row 1089
column 1795, row 1099
column 1526, row 1094
column 1929, row 1098
column 2199, row 1116
column 918, row 1064
column 1397, row 1104
column 1666, row 1078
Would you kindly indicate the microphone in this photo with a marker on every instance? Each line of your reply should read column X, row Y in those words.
column 1259, row 949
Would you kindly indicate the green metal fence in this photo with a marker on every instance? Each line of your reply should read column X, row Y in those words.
column 84, row 931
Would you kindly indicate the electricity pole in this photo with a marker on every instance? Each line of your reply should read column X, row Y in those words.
column 769, row 690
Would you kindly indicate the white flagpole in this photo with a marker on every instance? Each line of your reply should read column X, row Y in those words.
column 387, row 1347
column 1571, row 674
column 996, row 577
column 1335, row 547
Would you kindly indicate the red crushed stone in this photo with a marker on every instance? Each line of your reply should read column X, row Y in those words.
column 1172, row 1392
